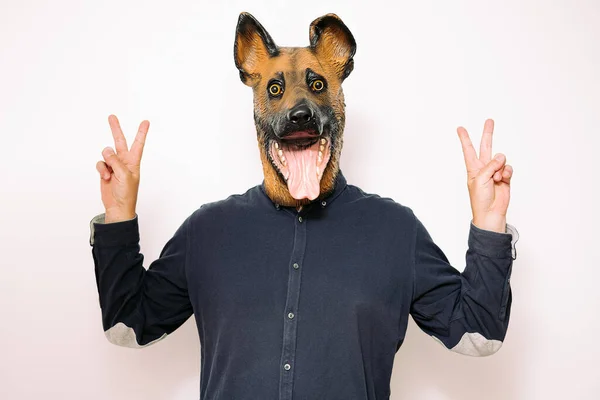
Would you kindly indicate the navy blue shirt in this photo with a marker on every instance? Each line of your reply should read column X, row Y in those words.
column 302, row 305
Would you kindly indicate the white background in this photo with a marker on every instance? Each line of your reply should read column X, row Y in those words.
column 422, row 69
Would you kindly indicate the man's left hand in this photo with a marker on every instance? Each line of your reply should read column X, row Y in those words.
column 488, row 180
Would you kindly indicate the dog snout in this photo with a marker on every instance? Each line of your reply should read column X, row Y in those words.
column 301, row 115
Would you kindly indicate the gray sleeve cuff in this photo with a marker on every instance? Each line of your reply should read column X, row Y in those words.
column 99, row 219
column 515, row 237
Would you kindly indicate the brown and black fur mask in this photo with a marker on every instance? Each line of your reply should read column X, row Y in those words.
column 298, row 105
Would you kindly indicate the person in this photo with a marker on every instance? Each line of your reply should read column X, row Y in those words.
column 302, row 286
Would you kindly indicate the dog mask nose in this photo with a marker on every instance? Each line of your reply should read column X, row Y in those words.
column 300, row 115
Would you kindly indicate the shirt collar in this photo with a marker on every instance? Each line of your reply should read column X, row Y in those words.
column 339, row 186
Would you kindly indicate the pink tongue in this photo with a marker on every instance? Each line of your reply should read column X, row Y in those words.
column 302, row 165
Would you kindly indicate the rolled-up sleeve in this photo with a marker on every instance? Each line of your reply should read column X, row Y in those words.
column 139, row 306
column 467, row 312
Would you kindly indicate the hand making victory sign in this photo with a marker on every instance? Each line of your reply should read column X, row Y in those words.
column 488, row 180
column 120, row 172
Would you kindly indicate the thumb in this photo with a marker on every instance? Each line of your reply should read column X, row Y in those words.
column 494, row 165
column 114, row 162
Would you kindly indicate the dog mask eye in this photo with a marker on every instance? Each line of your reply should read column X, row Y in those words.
column 275, row 89
column 317, row 85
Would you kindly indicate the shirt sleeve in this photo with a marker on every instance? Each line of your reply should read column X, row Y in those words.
column 467, row 312
column 139, row 307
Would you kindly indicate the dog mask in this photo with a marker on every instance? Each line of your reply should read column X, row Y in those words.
column 298, row 105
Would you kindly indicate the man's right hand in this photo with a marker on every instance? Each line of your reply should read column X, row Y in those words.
column 120, row 173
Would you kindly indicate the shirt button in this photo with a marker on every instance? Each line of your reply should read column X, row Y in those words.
column 323, row 203
column 300, row 219
column 291, row 315
column 287, row 367
column 296, row 266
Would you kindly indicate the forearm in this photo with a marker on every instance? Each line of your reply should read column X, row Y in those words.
column 139, row 306
column 119, row 271
column 468, row 312
column 480, row 323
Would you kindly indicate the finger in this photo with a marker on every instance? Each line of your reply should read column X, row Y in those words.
column 137, row 148
column 115, row 127
column 485, row 147
column 102, row 168
column 507, row 174
column 490, row 168
column 469, row 152
column 498, row 176
column 113, row 161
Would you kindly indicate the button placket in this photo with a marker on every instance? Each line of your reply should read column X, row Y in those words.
column 290, row 318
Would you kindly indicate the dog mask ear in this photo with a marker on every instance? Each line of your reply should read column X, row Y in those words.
column 330, row 39
column 253, row 45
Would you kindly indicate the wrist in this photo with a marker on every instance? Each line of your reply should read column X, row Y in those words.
column 494, row 223
column 111, row 215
